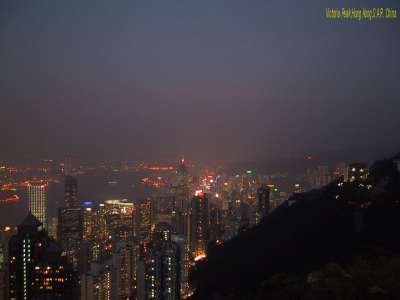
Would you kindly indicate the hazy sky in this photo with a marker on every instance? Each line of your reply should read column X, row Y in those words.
column 209, row 79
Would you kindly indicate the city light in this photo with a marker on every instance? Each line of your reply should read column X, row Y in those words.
column 161, row 150
column 200, row 257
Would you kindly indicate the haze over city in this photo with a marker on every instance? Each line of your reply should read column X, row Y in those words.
column 212, row 80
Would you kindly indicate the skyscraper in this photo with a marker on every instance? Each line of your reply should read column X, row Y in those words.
column 37, row 192
column 71, row 192
column 162, row 266
column 182, row 187
column 199, row 226
column 70, row 222
column 37, row 270
column 119, row 221
column 70, row 230
column 143, row 221
column 124, row 271
column 263, row 204
column 185, row 263
column 3, row 284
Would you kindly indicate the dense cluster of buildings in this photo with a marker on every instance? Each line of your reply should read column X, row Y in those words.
column 122, row 249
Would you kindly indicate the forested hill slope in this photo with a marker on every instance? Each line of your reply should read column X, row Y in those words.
column 335, row 224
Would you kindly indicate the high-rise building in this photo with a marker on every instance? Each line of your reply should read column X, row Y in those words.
column 70, row 222
column 119, row 220
column 185, row 263
column 90, row 247
column 97, row 284
column 87, row 286
column 101, row 243
column 124, row 271
column 53, row 228
column 247, row 184
column 164, row 207
column 263, row 203
column 182, row 173
column 2, row 253
column 171, row 272
column 5, row 236
column 341, row 171
column 37, row 270
column 143, row 221
column 104, row 228
column 324, row 176
column 89, row 218
column 3, row 285
column 181, row 190
column 71, row 192
column 70, row 231
column 358, row 172
column 319, row 177
column 162, row 266
column 199, row 227
column 37, row 192
column 216, row 228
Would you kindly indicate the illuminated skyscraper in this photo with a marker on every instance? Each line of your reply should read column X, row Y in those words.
column 70, row 230
column 199, row 226
column 182, row 187
column 97, row 284
column 94, row 231
column 119, row 220
column 5, row 236
column 143, row 221
column 37, row 192
column 124, row 271
column 70, row 222
column 89, row 214
column 37, row 270
column 185, row 263
column 162, row 266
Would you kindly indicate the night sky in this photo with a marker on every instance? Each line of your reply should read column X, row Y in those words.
column 209, row 79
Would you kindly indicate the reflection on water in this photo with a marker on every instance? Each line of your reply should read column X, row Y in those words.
column 95, row 187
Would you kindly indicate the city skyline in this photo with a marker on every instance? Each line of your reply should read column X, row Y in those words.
column 196, row 150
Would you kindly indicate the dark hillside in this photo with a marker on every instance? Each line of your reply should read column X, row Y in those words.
column 333, row 224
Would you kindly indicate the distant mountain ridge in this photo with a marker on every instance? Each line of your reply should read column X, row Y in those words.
column 299, row 163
